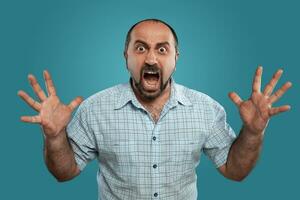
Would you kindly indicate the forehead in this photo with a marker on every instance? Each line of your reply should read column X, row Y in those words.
column 152, row 33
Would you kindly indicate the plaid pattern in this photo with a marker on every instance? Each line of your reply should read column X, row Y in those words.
column 141, row 159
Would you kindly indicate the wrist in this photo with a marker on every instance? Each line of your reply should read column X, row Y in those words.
column 252, row 132
column 55, row 137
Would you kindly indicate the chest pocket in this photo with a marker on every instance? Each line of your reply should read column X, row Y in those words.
column 118, row 151
column 184, row 149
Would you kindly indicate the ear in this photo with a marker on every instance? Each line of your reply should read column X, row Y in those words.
column 125, row 56
column 176, row 55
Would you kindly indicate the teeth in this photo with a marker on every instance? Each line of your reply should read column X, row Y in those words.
column 151, row 72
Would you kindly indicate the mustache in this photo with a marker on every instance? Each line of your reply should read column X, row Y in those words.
column 150, row 68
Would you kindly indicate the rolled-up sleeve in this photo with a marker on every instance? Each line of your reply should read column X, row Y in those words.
column 220, row 137
column 81, row 137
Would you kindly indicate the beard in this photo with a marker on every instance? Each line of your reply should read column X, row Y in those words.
column 151, row 83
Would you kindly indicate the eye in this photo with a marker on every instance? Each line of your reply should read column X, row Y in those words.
column 162, row 50
column 141, row 48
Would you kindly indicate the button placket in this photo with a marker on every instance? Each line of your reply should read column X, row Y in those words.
column 155, row 148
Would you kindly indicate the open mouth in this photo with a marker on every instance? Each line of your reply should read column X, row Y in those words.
column 151, row 79
column 151, row 75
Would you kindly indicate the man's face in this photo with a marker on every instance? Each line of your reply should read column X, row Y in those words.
column 151, row 58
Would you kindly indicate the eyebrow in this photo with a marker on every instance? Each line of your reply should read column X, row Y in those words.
column 142, row 42
column 163, row 44
column 157, row 45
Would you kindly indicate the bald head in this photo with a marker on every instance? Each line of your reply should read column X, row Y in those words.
column 128, row 36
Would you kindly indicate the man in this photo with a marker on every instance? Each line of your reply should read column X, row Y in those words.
column 148, row 134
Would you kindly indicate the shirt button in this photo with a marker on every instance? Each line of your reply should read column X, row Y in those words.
column 155, row 194
column 154, row 166
column 154, row 138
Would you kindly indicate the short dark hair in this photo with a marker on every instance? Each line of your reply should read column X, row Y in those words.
column 151, row 20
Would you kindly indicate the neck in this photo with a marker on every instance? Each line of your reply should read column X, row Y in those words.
column 158, row 101
column 154, row 106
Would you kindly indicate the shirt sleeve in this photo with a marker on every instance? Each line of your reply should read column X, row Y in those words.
column 220, row 138
column 81, row 137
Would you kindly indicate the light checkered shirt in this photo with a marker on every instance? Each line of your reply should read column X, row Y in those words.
column 141, row 159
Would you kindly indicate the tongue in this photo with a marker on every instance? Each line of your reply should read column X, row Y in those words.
column 151, row 78
column 151, row 82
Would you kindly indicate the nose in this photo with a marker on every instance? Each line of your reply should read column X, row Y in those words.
column 151, row 58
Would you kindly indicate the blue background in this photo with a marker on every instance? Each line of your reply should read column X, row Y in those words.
column 81, row 44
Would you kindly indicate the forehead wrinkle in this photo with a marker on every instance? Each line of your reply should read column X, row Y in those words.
column 159, row 44
column 151, row 42
column 152, row 34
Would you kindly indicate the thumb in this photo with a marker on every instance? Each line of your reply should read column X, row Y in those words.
column 235, row 98
column 76, row 102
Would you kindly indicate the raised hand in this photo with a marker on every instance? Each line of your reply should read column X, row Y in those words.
column 257, row 110
column 53, row 115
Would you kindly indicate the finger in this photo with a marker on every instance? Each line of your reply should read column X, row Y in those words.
column 270, row 87
column 31, row 119
column 76, row 102
column 235, row 98
column 280, row 92
column 257, row 80
column 32, row 103
column 49, row 83
column 277, row 110
column 36, row 87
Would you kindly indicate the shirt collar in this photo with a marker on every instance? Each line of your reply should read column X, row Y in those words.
column 127, row 95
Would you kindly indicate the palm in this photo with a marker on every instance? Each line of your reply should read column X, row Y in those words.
column 53, row 115
column 257, row 110
column 255, row 114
